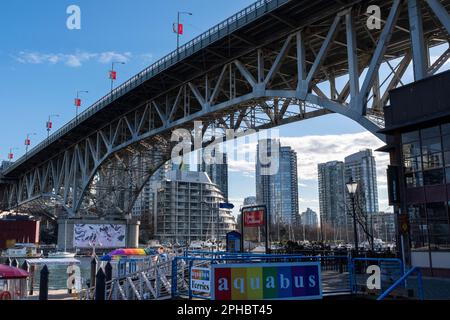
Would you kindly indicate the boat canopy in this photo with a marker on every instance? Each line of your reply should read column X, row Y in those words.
column 52, row 262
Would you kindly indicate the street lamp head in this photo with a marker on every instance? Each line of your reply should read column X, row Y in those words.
column 352, row 186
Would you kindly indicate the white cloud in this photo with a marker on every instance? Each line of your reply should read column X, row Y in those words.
column 73, row 60
column 312, row 150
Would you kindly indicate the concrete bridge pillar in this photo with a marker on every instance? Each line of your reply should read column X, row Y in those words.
column 110, row 233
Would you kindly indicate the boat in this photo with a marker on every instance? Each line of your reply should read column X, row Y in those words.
column 61, row 254
column 22, row 250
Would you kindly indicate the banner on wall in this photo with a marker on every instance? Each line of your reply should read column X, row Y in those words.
column 267, row 281
column 99, row 235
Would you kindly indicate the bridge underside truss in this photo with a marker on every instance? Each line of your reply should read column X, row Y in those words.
column 333, row 65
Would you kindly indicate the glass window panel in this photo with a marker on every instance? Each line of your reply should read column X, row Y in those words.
column 430, row 132
column 447, row 174
column 413, row 164
column 439, row 234
column 445, row 128
column 431, row 145
column 431, row 177
column 446, row 143
column 437, row 210
column 419, row 234
column 410, row 136
column 414, row 179
column 432, row 161
column 417, row 212
column 447, row 158
column 411, row 149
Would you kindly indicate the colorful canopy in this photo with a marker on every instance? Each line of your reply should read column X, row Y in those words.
column 7, row 272
column 128, row 252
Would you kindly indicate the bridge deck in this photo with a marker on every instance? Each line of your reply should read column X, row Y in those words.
column 259, row 25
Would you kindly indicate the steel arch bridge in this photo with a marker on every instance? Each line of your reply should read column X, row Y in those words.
column 273, row 63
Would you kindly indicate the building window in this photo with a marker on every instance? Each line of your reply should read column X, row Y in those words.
column 414, row 179
column 433, row 177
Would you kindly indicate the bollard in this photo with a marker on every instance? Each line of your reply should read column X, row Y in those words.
column 15, row 263
column 25, row 266
column 93, row 271
column 43, row 284
column 32, row 269
column 108, row 272
column 100, row 285
column 8, row 262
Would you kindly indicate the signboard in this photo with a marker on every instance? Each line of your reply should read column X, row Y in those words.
column 267, row 281
column 254, row 218
column 200, row 280
column 234, row 241
column 102, row 235
column 403, row 223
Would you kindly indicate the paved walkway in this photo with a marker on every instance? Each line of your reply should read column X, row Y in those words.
column 433, row 288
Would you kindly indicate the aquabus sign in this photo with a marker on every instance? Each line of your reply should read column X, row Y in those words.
column 266, row 281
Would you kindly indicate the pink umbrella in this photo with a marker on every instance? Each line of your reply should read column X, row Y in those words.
column 7, row 273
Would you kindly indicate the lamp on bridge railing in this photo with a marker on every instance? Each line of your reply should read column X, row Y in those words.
column 28, row 142
column 113, row 73
column 11, row 154
column 178, row 27
column 49, row 124
column 78, row 101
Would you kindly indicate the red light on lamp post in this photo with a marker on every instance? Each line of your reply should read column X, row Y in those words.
column 78, row 102
column 113, row 75
column 28, row 142
column 49, row 124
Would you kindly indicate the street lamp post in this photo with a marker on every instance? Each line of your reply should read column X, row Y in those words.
column 351, row 187
column 49, row 124
column 78, row 101
column 113, row 74
column 179, row 29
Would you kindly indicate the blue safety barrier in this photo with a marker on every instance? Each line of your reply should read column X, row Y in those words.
column 182, row 265
column 402, row 280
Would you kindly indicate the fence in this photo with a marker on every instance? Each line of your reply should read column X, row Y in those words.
column 335, row 270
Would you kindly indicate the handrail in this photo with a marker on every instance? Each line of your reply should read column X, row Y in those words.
column 403, row 278
column 212, row 34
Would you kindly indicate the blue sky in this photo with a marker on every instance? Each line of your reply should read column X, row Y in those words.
column 43, row 65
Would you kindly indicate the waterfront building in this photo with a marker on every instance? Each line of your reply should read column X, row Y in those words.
column 248, row 201
column 419, row 173
column 382, row 226
column 309, row 218
column 361, row 168
column 332, row 205
column 188, row 209
column 279, row 190
column 218, row 171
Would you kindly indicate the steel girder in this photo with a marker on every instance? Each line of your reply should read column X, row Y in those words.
column 274, row 84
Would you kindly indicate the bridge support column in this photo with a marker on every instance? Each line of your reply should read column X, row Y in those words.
column 100, row 229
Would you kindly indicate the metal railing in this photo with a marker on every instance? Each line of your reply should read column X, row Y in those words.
column 391, row 268
column 150, row 284
column 217, row 32
column 400, row 282
column 335, row 270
